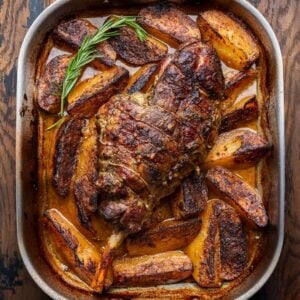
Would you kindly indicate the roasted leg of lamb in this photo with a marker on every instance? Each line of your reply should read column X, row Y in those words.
column 149, row 142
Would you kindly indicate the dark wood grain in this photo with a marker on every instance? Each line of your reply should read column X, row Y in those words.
column 16, row 16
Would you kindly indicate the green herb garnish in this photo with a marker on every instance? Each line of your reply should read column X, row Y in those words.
column 88, row 52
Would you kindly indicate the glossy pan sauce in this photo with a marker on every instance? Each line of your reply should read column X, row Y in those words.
column 48, row 197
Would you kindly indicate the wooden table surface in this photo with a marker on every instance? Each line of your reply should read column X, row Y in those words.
column 16, row 16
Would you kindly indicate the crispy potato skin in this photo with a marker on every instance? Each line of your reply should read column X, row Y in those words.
column 204, row 250
column 165, row 236
column 141, row 80
column 237, row 149
column 233, row 242
column 220, row 250
column 169, row 24
column 136, row 52
column 79, row 254
column 239, row 194
column 86, row 98
column 241, row 113
column 238, row 51
column 50, row 83
column 71, row 34
column 167, row 267
column 68, row 139
column 85, row 191
column 191, row 198
column 238, row 82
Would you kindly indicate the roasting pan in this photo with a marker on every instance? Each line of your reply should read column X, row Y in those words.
column 26, row 151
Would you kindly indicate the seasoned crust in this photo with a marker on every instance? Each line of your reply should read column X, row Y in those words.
column 159, row 137
column 136, row 52
column 165, row 236
column 50, row 83
column 71, row 34
column 168, row 24
column 68, row 139
column 239, row 194
column 171, row 266
column 233, row 242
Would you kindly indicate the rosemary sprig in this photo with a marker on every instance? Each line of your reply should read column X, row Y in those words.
column 88, row 52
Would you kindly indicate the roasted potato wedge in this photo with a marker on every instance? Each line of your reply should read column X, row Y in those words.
column 50, row 83
column 85, row 191
column 86, row 98
column 233, row 242
column 142, row 79
column 165, row 236
column 136, row 52
column 237, row 83
column 220, row 250
column 204, row 250
column 169, row 24
column 237, row 149
column 190, row 199
column 231, row 38
column 76, row 252
column 71, row 34
column 242, row 112
column 239, row 194
column 167, row 267
column 68, row 140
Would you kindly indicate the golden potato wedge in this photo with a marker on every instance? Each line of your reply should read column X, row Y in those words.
column 233, row 242
column 232, row 39
column 190, row 199
column 76, row 252
column 237, row 149
column 239, row 114
column 220, row 250
column 85, row 191
column 71, row 34
column 142, row 79
column 68, row 140
column 86, row 98
column 239, row 194
column 204, row 250
column 169, row 24
column 237, row 83
column 165, row 236
column 167, row 267
column 50, row 83
column 136, row 52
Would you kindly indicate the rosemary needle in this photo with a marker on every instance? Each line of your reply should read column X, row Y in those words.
column 88, row 52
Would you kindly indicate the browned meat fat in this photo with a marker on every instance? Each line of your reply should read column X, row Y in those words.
column 50, row 83
column 149, row 143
